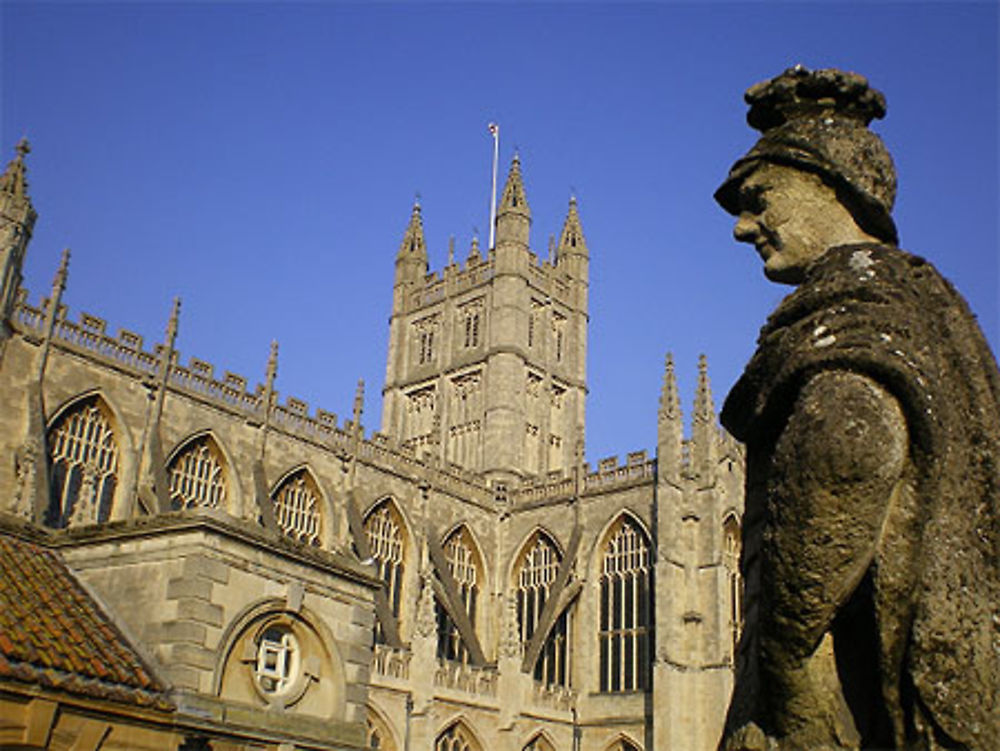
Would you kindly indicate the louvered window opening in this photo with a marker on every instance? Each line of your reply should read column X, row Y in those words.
column 536, row 576
column 197, row 478
column 84, row 460
column 385, row 540
column 625, row 611
column 462, row 564
column 297, row 509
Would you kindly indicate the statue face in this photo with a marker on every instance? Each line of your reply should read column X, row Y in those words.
column 792, row 218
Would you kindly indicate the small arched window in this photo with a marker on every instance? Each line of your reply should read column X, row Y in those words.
column 297, row 508
column 83, row 454
column 536, row 573
column 384, row 530
column 466, row 570
column 626, row 592
column 197, row 475
column 539, row 743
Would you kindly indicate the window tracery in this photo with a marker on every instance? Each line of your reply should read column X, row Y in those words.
column 384, row 530
column 536, row 574
column 197, row 476
column 297, row 508
column 625, row 627
column 83, row 455
column 463, row 562
column 456, row 738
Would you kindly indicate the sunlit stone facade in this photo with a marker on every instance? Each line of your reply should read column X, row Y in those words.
column 459, row 580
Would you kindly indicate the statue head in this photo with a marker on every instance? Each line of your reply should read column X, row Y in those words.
column 814, row 133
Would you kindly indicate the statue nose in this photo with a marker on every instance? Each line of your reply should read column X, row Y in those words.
column 745, row 230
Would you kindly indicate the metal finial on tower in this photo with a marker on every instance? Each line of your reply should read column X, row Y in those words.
column 23, row 147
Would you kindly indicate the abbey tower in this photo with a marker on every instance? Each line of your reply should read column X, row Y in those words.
column 487, row 360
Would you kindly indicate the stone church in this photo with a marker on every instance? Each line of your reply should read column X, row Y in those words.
column 191, row 563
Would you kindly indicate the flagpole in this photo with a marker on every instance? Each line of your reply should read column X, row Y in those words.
column 495, row 132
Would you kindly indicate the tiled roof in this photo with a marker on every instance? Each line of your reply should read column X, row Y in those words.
column 54, row 635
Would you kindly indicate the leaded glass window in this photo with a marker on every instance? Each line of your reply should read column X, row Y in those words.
column 83, row 455
column 384, row 529
column 297, row 508
column 536, row 574
column 625, row 609
column 456, row 738
column 197, row 476
column 463, row 562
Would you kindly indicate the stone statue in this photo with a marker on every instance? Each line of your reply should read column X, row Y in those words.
column 871, row 415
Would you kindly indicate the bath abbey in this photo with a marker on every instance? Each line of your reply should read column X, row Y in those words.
column 190, row 562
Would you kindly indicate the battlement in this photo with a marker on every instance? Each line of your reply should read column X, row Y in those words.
column 89, row 337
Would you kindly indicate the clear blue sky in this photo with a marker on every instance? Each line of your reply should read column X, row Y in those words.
column 260, row 160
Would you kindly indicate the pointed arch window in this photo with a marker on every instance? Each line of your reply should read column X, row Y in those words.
column 626, row 592
column 731, row 563
column 384, row 530
column 466, row 570
column 197, row 476
column 297, row 508
column 623, row 744
column 378, row 734
column 539, row 743
column 456, row 738
column 83, row 454
column 536, row 574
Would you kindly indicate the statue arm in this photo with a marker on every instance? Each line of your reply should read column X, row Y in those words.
column 836, row 467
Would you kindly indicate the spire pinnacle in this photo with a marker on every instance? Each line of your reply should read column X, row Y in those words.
column 13, row 181
column 359, row 403
column 571, row 239
column 704, row 407
column 413, row 239
column 670, row 404
column 272, row 365
column 514, row 199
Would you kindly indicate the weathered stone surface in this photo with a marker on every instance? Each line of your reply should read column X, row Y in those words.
column 871, row 413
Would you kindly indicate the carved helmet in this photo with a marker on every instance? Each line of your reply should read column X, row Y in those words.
column 818, row 121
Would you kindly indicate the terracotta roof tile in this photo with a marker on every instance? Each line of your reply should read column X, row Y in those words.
column 53, row 634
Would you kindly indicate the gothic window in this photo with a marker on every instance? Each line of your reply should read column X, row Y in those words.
column 625, row 609
column 731, row 562
column 384, row 529
column 297, row 508
column 463, row 562
column 623, row 744
column 84, row 457
column 472, row 329
column 456, row 738
column 539, row 743
column 378, row 733
column 197, row 477
column 426, row 346
column 536, row 574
